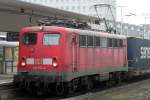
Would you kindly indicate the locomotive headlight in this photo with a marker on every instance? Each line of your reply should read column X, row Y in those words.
column 55, row 64
column 41, row 28
column 23, row 63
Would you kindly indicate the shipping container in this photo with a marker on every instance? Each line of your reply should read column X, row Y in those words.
column 138, row 53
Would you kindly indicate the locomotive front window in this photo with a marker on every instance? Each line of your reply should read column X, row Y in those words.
column 29, row 39
column 51, row 39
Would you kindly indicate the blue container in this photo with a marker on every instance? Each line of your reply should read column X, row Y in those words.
column 138, row 53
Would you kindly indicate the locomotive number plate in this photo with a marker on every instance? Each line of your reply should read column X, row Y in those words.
column 47, row 61
column 30, row 60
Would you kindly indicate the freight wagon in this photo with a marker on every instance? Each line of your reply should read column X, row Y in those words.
column 138, row 56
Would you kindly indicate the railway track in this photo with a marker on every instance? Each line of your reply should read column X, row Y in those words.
column 137, row 89
column 9, row 92
column 6, row 85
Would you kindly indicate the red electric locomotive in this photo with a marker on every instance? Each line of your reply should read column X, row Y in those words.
column 64, row 59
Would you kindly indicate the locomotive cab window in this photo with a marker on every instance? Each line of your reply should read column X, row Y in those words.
column 51, row 39
column 29, row 39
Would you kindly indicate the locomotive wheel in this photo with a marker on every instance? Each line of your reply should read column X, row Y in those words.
column 60, row 88
column 111, row 82
column 71, row 88
column 117, row 78
column 32, row 91
column 89, row 84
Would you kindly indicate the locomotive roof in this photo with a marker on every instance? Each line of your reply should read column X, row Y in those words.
column 98, row 33
column 79, row 31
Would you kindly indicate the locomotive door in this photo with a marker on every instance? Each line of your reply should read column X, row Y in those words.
column 74, row 52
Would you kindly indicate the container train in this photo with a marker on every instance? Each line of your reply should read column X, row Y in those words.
column 60, row 59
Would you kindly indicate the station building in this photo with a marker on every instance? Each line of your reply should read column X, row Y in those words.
column 8, row 55
column 87, row 7
column 81, row 6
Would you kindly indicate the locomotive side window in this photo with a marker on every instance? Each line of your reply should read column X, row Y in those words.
column 97, row 41
column 110, row 42
column 90, row 41
column 120, row 43
column 115, row 43
column 51, row 39
column 29, row 39
column 82, row 40
column 103, row 42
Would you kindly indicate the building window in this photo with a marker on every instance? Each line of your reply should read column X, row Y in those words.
column 78, row 7
column 62, row 7
column 118, row 26
column 73, row 7
column 51, row 1
column 35, row 1
column 83, row 7
column 132, row 28
column 67, row 8
column 45, row 1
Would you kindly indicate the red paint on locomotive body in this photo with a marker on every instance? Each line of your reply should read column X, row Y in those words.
column 38, row 52
column 71, row 59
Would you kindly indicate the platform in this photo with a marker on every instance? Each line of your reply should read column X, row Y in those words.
column 6, row 78
column 134, row 91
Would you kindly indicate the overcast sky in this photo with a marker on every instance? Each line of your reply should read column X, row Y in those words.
column 138, row 7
